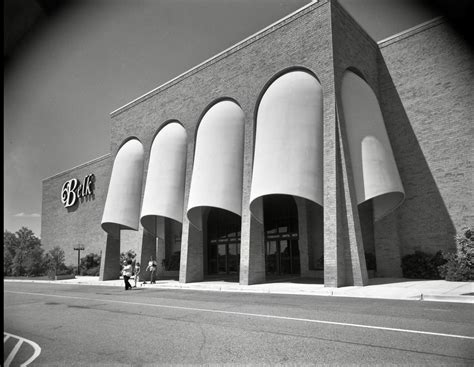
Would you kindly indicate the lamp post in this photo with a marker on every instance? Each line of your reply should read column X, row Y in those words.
column 78, row 248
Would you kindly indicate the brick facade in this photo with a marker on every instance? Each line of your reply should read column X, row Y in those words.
column 423, row 80
column 79, row 224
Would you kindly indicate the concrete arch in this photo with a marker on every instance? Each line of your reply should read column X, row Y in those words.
column 218, row 161
column 164, row 187
column 122, row 206
column 374, row 168
column 288, row 157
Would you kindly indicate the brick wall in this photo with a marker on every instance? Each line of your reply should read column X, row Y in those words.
column 66, row 227
column 426, row 91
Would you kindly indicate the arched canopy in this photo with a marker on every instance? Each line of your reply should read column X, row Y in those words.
column 164, row 188
column 288, row 155
column 122, row 206
column 218, row 162
column 374, row 169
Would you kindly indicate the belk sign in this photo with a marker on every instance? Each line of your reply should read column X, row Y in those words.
column 73, row 190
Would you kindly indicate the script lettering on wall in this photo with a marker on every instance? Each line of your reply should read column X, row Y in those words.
column 73, row 190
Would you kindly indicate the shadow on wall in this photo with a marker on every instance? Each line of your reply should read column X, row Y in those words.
column 422, row 221
column 81, row 200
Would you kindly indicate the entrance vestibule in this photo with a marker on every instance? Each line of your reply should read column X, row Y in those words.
column 282, row 254
column 223, row 242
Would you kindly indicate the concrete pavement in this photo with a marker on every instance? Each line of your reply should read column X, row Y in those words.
column 386, row 288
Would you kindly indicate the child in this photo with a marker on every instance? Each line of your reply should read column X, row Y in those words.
column 137, row 272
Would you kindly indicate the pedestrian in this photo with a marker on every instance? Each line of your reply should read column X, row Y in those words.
column 137, row 273
column 127, row 273
column 152, row 264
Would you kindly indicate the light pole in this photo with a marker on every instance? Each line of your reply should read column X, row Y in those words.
column 78, row 248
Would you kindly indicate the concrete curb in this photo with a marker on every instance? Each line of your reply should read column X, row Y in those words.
column 445, row 298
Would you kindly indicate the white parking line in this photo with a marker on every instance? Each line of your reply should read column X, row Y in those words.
column 255, row 315
column 16, row 348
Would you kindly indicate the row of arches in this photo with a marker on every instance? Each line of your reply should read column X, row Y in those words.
column 288, row 158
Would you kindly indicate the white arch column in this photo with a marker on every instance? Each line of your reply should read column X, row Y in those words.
column 216, row 180
column 164, row 190
column 367, row 172
column 288, row 156
column 122, row 206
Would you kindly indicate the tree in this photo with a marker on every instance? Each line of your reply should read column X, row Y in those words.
column 460, row 264
column 129, row 255
column 33, row 263
column 55, row 259
column 90, row 264
column 23, row 254
column 10, row 245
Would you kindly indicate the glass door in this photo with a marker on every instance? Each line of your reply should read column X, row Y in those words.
column 221, row 258
column 282, row 257
column 272, row 259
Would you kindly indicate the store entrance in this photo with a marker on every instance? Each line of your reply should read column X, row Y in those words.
column 223, row 245
column 282, row 255
column 224, row 258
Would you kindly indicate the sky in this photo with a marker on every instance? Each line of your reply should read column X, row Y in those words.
column 93, row 56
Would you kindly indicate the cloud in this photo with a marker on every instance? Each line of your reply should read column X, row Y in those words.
column 23, row 215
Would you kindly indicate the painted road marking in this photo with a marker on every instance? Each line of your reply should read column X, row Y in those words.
column 254, row 315
column 16, row 348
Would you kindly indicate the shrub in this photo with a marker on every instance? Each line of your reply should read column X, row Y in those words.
column 89, row 262
column 421, row 265
column 459, row 266
column 92, row 271
column 61, row 270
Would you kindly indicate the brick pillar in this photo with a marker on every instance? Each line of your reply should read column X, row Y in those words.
column 110, row 260
column 252, row 250
column 344, row 260
column 303, row 235
column 333, row 274
column 350, row 230
column 192, row 252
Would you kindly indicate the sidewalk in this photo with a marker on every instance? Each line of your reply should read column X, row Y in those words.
column 386, row 288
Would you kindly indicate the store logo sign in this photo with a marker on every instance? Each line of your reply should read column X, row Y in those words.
column 73, row 190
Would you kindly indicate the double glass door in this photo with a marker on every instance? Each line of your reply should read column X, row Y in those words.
column 224, row 258
column 282, row 256
column 223, row 242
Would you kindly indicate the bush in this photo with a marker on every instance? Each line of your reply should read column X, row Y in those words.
column 459, row 266
column 90, row 264
column 421, row 265
column 61, row 270
column 92, row 271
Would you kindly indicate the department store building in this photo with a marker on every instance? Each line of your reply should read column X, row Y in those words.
column 301, row 151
